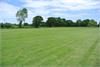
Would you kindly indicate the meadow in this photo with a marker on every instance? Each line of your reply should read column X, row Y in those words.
column 50, row 47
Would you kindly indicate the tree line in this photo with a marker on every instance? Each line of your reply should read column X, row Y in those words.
column 61, row 22
column 37, row 22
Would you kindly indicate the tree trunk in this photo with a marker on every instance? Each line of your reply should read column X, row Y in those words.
column 20, row 24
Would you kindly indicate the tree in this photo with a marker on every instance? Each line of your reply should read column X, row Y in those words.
column 37, row 20
column 69, row 23
column 21, row 16
column 85, row 22
column 1, row 25
column 6, row 25
column 50, row 21
column 58, row 21
column 92, row 23
column 99, row 24
column 43, row 24
column 78, row 22
column 26, row 24
column 62, row 22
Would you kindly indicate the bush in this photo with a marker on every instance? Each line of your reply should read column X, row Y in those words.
column 5, row 25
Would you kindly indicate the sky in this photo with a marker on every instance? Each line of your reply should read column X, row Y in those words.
column 68, row 9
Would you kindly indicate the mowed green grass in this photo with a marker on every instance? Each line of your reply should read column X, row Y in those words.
column 50, row 47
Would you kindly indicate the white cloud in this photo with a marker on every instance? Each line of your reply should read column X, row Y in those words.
column 77, row 4
column 65, row 4
column 7, row 12
column 57, row 7
column 47, row 8
column 8, row 9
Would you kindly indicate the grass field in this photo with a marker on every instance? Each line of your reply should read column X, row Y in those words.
column 50, row 47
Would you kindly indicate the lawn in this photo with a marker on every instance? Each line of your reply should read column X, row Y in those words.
column 50, row 47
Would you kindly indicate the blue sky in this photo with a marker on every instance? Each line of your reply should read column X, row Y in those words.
column 68, row 9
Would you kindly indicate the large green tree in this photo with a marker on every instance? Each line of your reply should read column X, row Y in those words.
column 69, row 23
column 78, row 22
column 58, row 21
column 37, row 21
column 21, row 16
column 85, row 23
column 51, row 21
column 61, row 22
column 92, row 23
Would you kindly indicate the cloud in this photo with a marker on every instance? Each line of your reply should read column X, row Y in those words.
column 7, row 11
column 60, row 7
column 65, row 4
column 46, row 8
